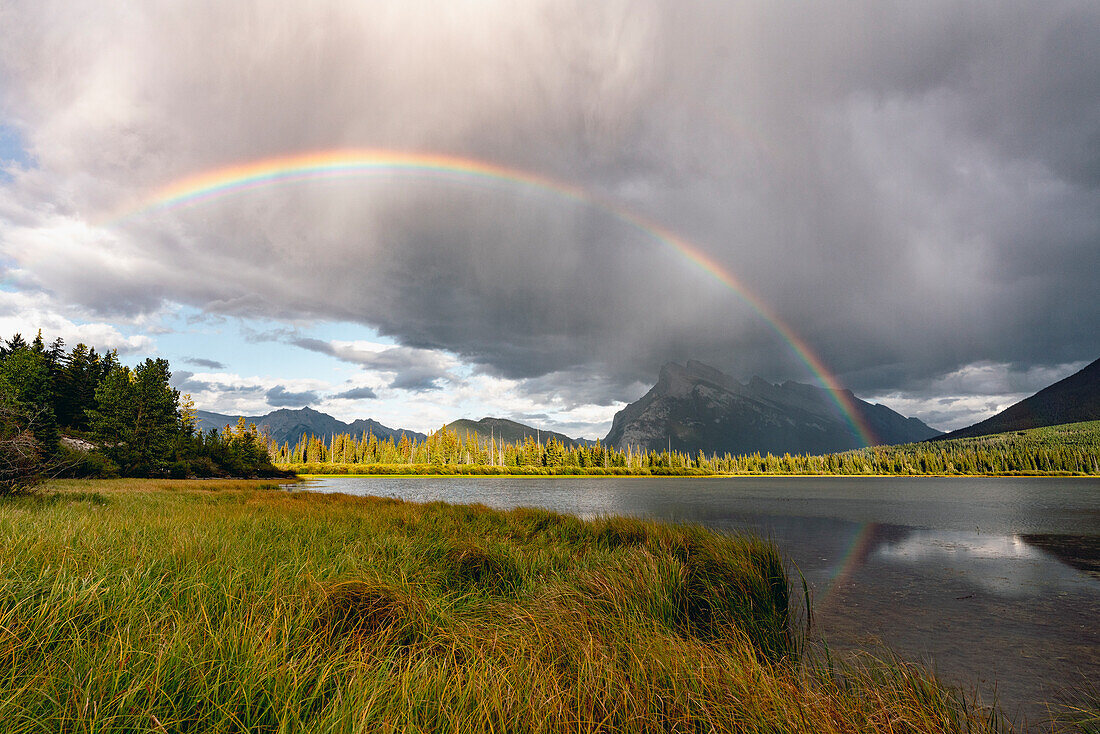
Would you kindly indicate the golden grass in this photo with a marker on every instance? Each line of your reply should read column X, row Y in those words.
column 138, row 605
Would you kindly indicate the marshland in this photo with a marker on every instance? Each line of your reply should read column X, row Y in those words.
column 155, row 605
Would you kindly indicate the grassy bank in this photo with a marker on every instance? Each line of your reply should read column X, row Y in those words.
column 137, row 606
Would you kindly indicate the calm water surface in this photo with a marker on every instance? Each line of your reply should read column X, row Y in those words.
column 994, row 582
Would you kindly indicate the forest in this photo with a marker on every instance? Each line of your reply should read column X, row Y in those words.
column 57, row 403
column 1071, row 449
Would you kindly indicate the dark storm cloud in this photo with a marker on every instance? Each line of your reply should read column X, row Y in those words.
column 280, row 397
column 579, row 387
column 355, row 393
column 913, row 188
column 203, row 362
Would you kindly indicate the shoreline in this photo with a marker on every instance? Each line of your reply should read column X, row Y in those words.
column 524, row 475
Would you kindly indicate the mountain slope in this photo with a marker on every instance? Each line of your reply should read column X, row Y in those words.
column 510, row 431
column 698, row 408
column 289, row 426
column 1072, row 400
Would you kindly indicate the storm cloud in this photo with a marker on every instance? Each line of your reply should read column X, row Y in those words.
column 912, row 188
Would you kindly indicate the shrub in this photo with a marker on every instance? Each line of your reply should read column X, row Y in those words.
column 87, row 464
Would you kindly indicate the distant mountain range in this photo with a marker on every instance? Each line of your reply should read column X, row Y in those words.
column 510, row 431
column 1072, row 400
column 288, row 426
column 696, row 407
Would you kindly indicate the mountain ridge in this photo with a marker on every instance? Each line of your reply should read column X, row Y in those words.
column 696, row 407
column 511, row 431
column 1073, row 399
column 287, row 425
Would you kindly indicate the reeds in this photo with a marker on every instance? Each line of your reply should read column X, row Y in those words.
column 137, row 606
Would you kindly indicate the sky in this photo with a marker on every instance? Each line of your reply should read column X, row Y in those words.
column 910, row 190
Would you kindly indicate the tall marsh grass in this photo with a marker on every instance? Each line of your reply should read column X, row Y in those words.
column 137, row 606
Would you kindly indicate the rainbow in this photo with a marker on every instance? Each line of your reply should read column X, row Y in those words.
column 859, row 550
column 353, row 162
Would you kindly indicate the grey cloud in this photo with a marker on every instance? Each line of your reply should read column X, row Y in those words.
column 529, row 417
column 573, row 388
column 416, row 370
column 185, row 382
column 280, row 397
column 256, row 336
column 911, row 187
column 355, row 393
column 203, row 362
column 973, row 392
column 572, row 429
column 181, row 380
column 416, row 383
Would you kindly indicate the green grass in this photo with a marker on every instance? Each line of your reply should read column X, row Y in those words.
column 139, row 605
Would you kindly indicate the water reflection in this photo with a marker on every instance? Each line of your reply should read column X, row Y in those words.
column 1079, row 551
column 998, row 564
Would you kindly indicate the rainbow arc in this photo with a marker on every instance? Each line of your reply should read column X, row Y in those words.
column 220, row 182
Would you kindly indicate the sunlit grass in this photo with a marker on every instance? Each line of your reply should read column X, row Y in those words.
column 137, row 605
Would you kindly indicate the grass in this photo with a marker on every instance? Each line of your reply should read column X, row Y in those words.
column 138, row 605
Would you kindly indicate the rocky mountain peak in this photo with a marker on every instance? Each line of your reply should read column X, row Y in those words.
column 699, row 407
column 680, row 380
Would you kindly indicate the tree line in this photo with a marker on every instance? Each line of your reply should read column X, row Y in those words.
column 138, row 425
column 1071, row 450
column 137, row 422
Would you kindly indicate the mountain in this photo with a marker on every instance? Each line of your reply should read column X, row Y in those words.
column 289, row 426
column 697, row 407
column 1072, row 400
column 510, row 431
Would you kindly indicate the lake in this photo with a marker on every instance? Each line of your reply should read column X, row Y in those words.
column 994, row 582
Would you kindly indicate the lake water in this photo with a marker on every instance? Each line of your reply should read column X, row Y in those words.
column 993, row 582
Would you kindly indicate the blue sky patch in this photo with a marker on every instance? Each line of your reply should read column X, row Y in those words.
column 12, row 149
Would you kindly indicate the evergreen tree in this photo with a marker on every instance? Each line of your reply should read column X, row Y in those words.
column 15, row 344
column 137, row 416
column 26, row 372
column 76, row 386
